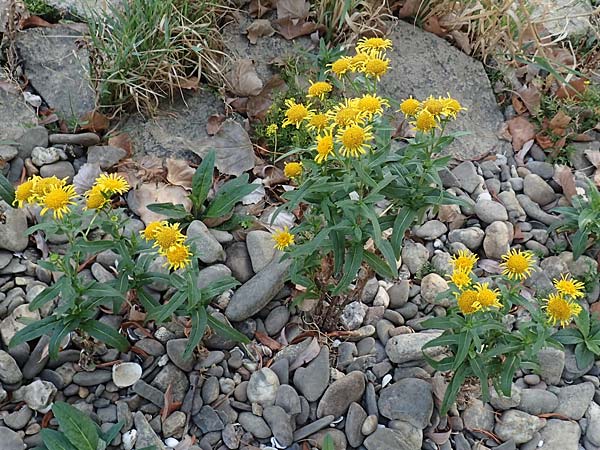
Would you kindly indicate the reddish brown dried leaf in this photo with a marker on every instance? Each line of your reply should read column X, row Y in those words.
column 268, row 341
column 179, row 173
column 433, row 26
column 544, row 141
column 575, row 87
column 259, row 28
column 521, row 131
column 259, row 8
column 565, row 178
column 243, row 79
column 518, row 105
column 33, row 22
column 122, row 140
column 593, row 156
column 291, row 29
column 213, row 124
column 293, row 9
column 95, row 121
column 559, row 123
column 310, row 353
column 531, row 97
column 409, row 9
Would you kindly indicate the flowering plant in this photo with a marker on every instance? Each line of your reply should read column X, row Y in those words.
column 358, row 191
column 82, row 219
column 496, row 326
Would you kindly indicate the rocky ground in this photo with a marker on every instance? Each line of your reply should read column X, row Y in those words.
column 291, row 386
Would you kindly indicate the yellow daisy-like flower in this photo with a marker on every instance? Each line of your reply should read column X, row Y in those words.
column 410, row 106
column 346, row 113
column 376, row 66
column 371, row 105
column 461, row 278
column 112, row 184
column 24, row 193
column 357, row 62
column 95, row 198
column 296, row 113
column 464, row 260
column 271, row 130
column 41, row 186
column 319, row 89
column 355, row 140
column 434, row 105
column 569, row 286
column 166, row 236
column 486, row 297
column 324, row 147
column 292, row 169
column 283, row 239
column 178, row 256
column 58, row 200
column 341, row 66
column 151, row 229
column 559, row 309
column 467, row 302
column 517, row 264
column 424, row 121
column 375, row 43
column 317, row 122
column 451, row 107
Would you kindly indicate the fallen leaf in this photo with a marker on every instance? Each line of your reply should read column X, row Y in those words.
column 520, row 155
column 582, row 137
column 290, row 29
column 259, row 28
column 559, row 123
column 147, row 193
column 243, row 79
column 294, row 9
column 94, row 121
column 462, row 40
column 122, row 140
column 213, row 124
column 51, row 118
column 490, row 266
column 409, row 9
column 575, row 87
column 521, row 131
column 257, row 107
column 544, row 141
column 33, row 22
column 256, row 196
column 593, row 156
column 565, row 178
column 179, row 173
column 268, row 341
column 41, row 244
column 518, row 105
column 310, row 353
column 9, row 87
column 432, row 25
column 531, row 97
column 283, row 219
column 85, row 178
column 191, row 84
column 259, row 8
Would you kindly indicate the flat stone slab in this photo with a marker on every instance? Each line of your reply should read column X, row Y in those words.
column 423, row 64
column 15, row 117
column 57, row 67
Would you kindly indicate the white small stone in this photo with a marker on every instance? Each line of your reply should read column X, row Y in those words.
column 129, row 439
column 32, row 99
column 382, row 298
column 126, row 374
column 484, row 196
column 171, row 442
column 354, row 196
column 163, row 360
column 386, row 380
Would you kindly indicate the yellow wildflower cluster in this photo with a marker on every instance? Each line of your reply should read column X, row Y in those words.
column 283, row 239
column 562, row 306
column 54, row 194
column 428, row 114
column 170, row 242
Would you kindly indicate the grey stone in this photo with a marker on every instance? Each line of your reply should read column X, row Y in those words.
column 497, row 240
column 9, row 370
column 353, row 315
column 261, row 249
column 105, row 156
column 210, row 390
column 414, row 255
column 538, row 190
column 146, row 436
column 16, row 118
column 92, row 378
column 593, row 429
column 280, row 423
column 499, row 401
column 467, row 176
column 149, row 392
column 537, row 401
column 18, row 419
column 238, row 260
column 208, row 420
column 12, row 324
column 409, row 347
column 208, row 248
column 430, row 230
column 431, row 285
column 11, row 440
column 534, row 211
column 262, row 387
column 541, row 168
column 37, row 395
column 126, row 374
column 288, row 399
column 175, row 350
column 174, row 424
column 101, row 274
column 107, row 414
column 12, row 227
column 517, row 425
column 471, row 237
column 564, row 17
column 211, row 274
column 398, row 294
column 312, row 427
column 57, row 67
column 7, row 153
column 478, row 416
column 277, row 319
column 257, row 292
column 171, row 376
column 255, row 425
column 60, row 169
column 83, row 139
column 313, row 379
column 560, row 435
column 387, row 439
column 354, row 422
column 43, row 155
column 340, row 394
column 490, row 211
column 574, row 400
column 410, row 400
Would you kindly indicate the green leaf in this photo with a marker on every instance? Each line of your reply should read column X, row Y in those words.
column 583, row 356
column 579, row 242
column 53, row 440
column 328, row 443
column 7, row 191
column 147, row 301
column 218, row 287
column 509, row 367
column 61, row 330
column 403, row 221
column 227, row 330
column 464, row 345
column 112, row 432
column 199, row 322
column 593, row 347
column 166, row 310
column 202, row 180
column 34, row 330
column 481, row 372
column 352, row 264
column 378, row 265
column 92, row 247
column 170, row 210
column 77, row 426
column 442, row 341
column 582, row 320
column 229, row 194
column 48, row 294
column 568, row 336
column 107, row 334
column 442, row 323
column 453, row 388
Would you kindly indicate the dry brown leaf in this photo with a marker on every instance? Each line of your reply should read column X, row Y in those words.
column 243, row 78
column 521, row 131
column 531, row 97
column 409, row 9
column 462, row 40
column 559, row 123
column 189, row 83
column 518, row 105
column 544, row 141
column 259, row 28
column 259, row 8
column 213, row 124
column 179, row 173
column 582, row 137
column 293, row 9
column 8, row 87
column 33, row 22
column 122, row 140
column 565, row 178
column 268, row 341
column 139, row 198
column 310, row 353
column 593, row 156
column 95, row 121
column 41, row 244
column 291, row 29
column 433, row 26
column 575, row 87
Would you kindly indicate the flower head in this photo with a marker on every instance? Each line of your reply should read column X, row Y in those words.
column 486, row 297
column 559, row 309
column 324, row 147
column 24, row 193
column 434, row 105
column 41, row 186
column 319, row 89
column 58, row 199
column 295, row 113
column 355, row 140
column 374, row 43
column 151, row 229
column 410, row 106
column 271, row 130
column 112, row 184
column 178, row 256
column 346, row 113
column 371, row 105
column 317, row 122
column 166, row 236
column 461, row 278
column 292, row 169
column 357, row 62
column 464, row 261
column 95, row 198
column 451, row 107
column 376, row 66
column 569, row 287
column 283, row 239
column 517, row 264
column 467, row 302
column 340, row 66
column 424, row 121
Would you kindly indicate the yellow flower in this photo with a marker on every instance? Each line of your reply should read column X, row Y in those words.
column 95, row 198
column 319, row 89
column 517, row 264
column 24, row 193
column 451, row 107
column 112, row 184
column 41, row 186
column 467, row 302
column 178, row 256
column 324, row 147
column 166, row 236
column 296, row 113
column 283, row 239
column 375, row 43
column 357, row 62
column 434, row 105
column 317, row 122
column 569, row 287
column 371, row 105
column 464, row 261
column 151, row 229
column 424, row 121
column 341, row 66
column 558, row 309
column 410, row 106
column 486, row 297
column 346, row 113
column 355, row 140
column 271, row 130
column 375, row 66
column 58, row 199
column 461, row 278
column 292, row 169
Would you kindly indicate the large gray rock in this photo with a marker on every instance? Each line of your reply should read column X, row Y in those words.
column 560, row 435
column 11, row 440
column 409, row 347
column 574, row 400
column 15, row 115
column 386, row 439
column 146, row 436
column 57, row 68
column 9, row 370
column 340, row 394
column 12, row 228
column 518, row 425
column 410, row 400
column 424, row 65
column 313, row 379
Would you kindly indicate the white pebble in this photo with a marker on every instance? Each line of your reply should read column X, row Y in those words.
column 171, row 442
column 129, row 439
column 386, row 380
column 32, row 99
